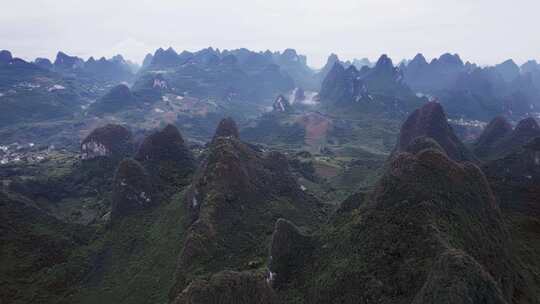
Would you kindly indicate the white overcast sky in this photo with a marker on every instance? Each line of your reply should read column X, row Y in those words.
column 483, row 31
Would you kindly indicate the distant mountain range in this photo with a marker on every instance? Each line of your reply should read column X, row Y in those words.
column 244, row 84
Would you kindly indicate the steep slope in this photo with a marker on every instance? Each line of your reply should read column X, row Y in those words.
column 430, row 121
column 497, row 129
column 229, row 75
column 29, row 93
column 509, row 142
column 516, row 178
column 376, row 90
column 430, row 232
column 132, row 190
column 117, row 99
column 39, row 260
column 110, row 141
column 166, row 156
column 233, row 201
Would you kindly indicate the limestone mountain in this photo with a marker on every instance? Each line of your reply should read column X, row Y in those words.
column 377, row 90
column 117, row 99
column 507, row 142
column 165, row 154
column 330, row 62
column 440, row 73
column 415, row 239
column 30, row 93
column 67, row 63
column 341, row 85
column 497, row 129
column 227, row 128
column 5, row 57
column 430, row 121
column 508, row 69
column 516, row 178
column 235, row 197
column 110, row 141
column 228, row 75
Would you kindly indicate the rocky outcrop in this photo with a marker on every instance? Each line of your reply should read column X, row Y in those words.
column 288, row 253
column 65, row 62
column 110, row 141
column 430, row 121
column 165, row 154
column 281, row 104
column 227, row 128
column 229, row 287
column 341, row 85
column 299, row 95
column 132, row 189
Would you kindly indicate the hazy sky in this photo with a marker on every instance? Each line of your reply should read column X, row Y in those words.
column 483, row 31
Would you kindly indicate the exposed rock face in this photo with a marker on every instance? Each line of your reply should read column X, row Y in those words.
column 457, row 278
column 430, row 121
column 227, row 128
column 111, row 141
column 281, row 104
column 288, row 252
column 497, row 129
column 400, row 245
column 299, row 95
column 232, row 203
column 330, row 63
column 66, row 62
column 341, row 85
column 132, row 190
column 229, row 287
column 165, row 154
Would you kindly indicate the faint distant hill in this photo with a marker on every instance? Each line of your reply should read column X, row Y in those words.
column 238, row 74
column 468, row 90
column 379, row 89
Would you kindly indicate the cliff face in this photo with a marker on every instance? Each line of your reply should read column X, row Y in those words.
column 109, row 141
